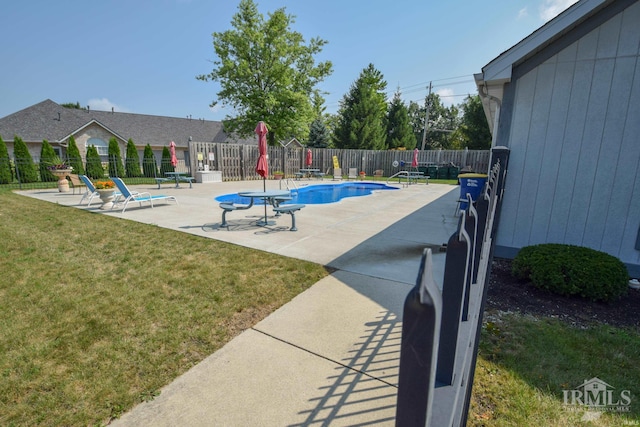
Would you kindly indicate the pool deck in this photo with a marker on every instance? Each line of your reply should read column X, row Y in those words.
column 329, row 356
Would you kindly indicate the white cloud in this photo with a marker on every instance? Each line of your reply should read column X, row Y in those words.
column 103, row 104
column 446, row 96
column 551, row 8
column 523, row 13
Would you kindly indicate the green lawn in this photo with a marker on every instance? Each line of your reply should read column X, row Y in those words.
column 98, row 313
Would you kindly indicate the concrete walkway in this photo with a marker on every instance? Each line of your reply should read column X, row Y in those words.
column 330, row 356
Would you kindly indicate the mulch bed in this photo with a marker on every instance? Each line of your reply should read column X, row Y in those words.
column 506, row 293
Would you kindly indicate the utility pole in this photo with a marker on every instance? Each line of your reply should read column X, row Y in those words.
column 426, row 119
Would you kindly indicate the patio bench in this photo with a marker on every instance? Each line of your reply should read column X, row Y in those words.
column 161, row 180
column 230, row 207
column 290, row 209
column 188, row 179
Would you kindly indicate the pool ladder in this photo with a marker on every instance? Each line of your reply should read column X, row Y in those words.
column 288, row 183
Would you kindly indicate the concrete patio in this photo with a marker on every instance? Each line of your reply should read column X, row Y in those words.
column 328, row 357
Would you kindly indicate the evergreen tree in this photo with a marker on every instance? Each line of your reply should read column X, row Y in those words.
column 362, row 113
column 165, row 164
column 5, row 164
column 48, row 158
column 94, row 164
column 319, row 134
column 115, row 159
column 132, row 162
column 25, row 168
column 399, row 130
column 75, row 159
column 149, row 164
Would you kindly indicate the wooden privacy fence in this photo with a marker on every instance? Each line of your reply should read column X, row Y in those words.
column 237, row 162
column 441, row 329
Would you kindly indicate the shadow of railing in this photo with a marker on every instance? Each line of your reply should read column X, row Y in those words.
column 364, row 385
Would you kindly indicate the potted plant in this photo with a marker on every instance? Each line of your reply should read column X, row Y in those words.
column 278, row 175
column 60, row 170
column 107, row 191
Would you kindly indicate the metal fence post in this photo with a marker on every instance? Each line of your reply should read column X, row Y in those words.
column 419, row 348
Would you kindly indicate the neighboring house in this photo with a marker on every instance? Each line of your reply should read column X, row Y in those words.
column 566, row 101
column 50, row 121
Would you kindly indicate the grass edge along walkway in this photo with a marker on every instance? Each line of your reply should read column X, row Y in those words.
column 99, row 312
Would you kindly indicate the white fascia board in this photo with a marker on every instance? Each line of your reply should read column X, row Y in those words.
column 501, row 67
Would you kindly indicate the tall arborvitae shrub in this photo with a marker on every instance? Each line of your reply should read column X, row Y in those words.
column 5, row 164
column 115, row 159
column 149, row 164
column 25, row 168
column 94, row 164
column 48, row 158
column 75, row 159
column 165, row 165
column 132, row 162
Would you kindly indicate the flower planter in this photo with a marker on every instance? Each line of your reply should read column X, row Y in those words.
column 278, row 176
column 61, row 174
column 107, row 196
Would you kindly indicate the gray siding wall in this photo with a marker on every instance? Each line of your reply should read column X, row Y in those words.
column 574, row 134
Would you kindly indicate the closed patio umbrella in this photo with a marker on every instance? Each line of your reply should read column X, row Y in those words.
column 262, row 167
column 414, row 162
column 172, row 150
column 309, row 158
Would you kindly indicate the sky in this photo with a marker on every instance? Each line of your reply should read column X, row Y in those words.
column 143, row 56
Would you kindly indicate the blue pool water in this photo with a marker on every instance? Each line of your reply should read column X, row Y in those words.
column 320, row 194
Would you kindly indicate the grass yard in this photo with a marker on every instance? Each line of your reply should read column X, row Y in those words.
column 525, row 363
column 98, row 313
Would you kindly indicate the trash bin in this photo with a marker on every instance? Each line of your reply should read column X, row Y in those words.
column 453, row 172
column 443, row 172
column 470, row 183
column 432, row 171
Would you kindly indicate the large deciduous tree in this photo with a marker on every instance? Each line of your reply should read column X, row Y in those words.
column 361, row 122
column 266, row 72
column 474, row 127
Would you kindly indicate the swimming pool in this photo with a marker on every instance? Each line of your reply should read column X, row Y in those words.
column 320, row 194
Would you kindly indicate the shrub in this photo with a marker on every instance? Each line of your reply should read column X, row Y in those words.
column 115, row 158
column 25, row 168
column 132, row 162
column 48, row 158
column 94, row 164
column 149, row 163
column 75, row 160
column 5, row 165
column 165, row 164
column 572, row 270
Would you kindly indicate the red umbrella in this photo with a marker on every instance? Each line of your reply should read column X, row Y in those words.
column 309, row 158
column 172, row 150
column 262, row 167
column 414, row 162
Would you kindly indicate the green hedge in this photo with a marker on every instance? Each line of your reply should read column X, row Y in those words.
column 572, row 270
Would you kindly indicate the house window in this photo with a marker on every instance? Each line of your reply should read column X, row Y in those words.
column 101, row 146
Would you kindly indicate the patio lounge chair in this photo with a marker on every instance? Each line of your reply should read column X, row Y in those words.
column 337, row 173
column 134, row 196
column 353, row 173
column 91, row 191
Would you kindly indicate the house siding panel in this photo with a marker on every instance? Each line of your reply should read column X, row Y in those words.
column 574, row 129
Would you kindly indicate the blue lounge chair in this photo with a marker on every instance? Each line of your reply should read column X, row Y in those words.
column 91, row 191
column 134, row 196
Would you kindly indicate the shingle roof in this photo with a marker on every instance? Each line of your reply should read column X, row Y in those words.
column 49, row 120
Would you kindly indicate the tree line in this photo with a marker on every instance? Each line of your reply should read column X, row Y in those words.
column 267, row 72
column 24, row 169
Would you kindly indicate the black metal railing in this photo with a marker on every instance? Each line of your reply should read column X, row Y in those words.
column 441, row 329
